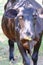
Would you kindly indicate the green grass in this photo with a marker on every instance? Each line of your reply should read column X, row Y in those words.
column 4, row 59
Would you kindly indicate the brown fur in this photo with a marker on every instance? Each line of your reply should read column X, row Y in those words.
column 8, row 27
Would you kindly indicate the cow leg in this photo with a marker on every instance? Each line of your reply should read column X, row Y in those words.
column 35, row 52
column 11, row 49
column 26, row 60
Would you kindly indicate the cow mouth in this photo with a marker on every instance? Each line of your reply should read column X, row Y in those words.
column 26, row 42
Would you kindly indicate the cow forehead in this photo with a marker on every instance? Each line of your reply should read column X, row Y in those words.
column 29, row 10
column 26, row 12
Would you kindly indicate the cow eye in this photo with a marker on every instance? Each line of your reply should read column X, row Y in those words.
column 34, row 17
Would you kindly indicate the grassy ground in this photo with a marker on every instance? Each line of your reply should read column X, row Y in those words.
column 4, row 45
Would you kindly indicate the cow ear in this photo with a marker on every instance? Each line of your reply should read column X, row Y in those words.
column 11, row 13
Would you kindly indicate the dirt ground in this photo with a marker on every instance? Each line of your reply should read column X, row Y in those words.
column 40, row 61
